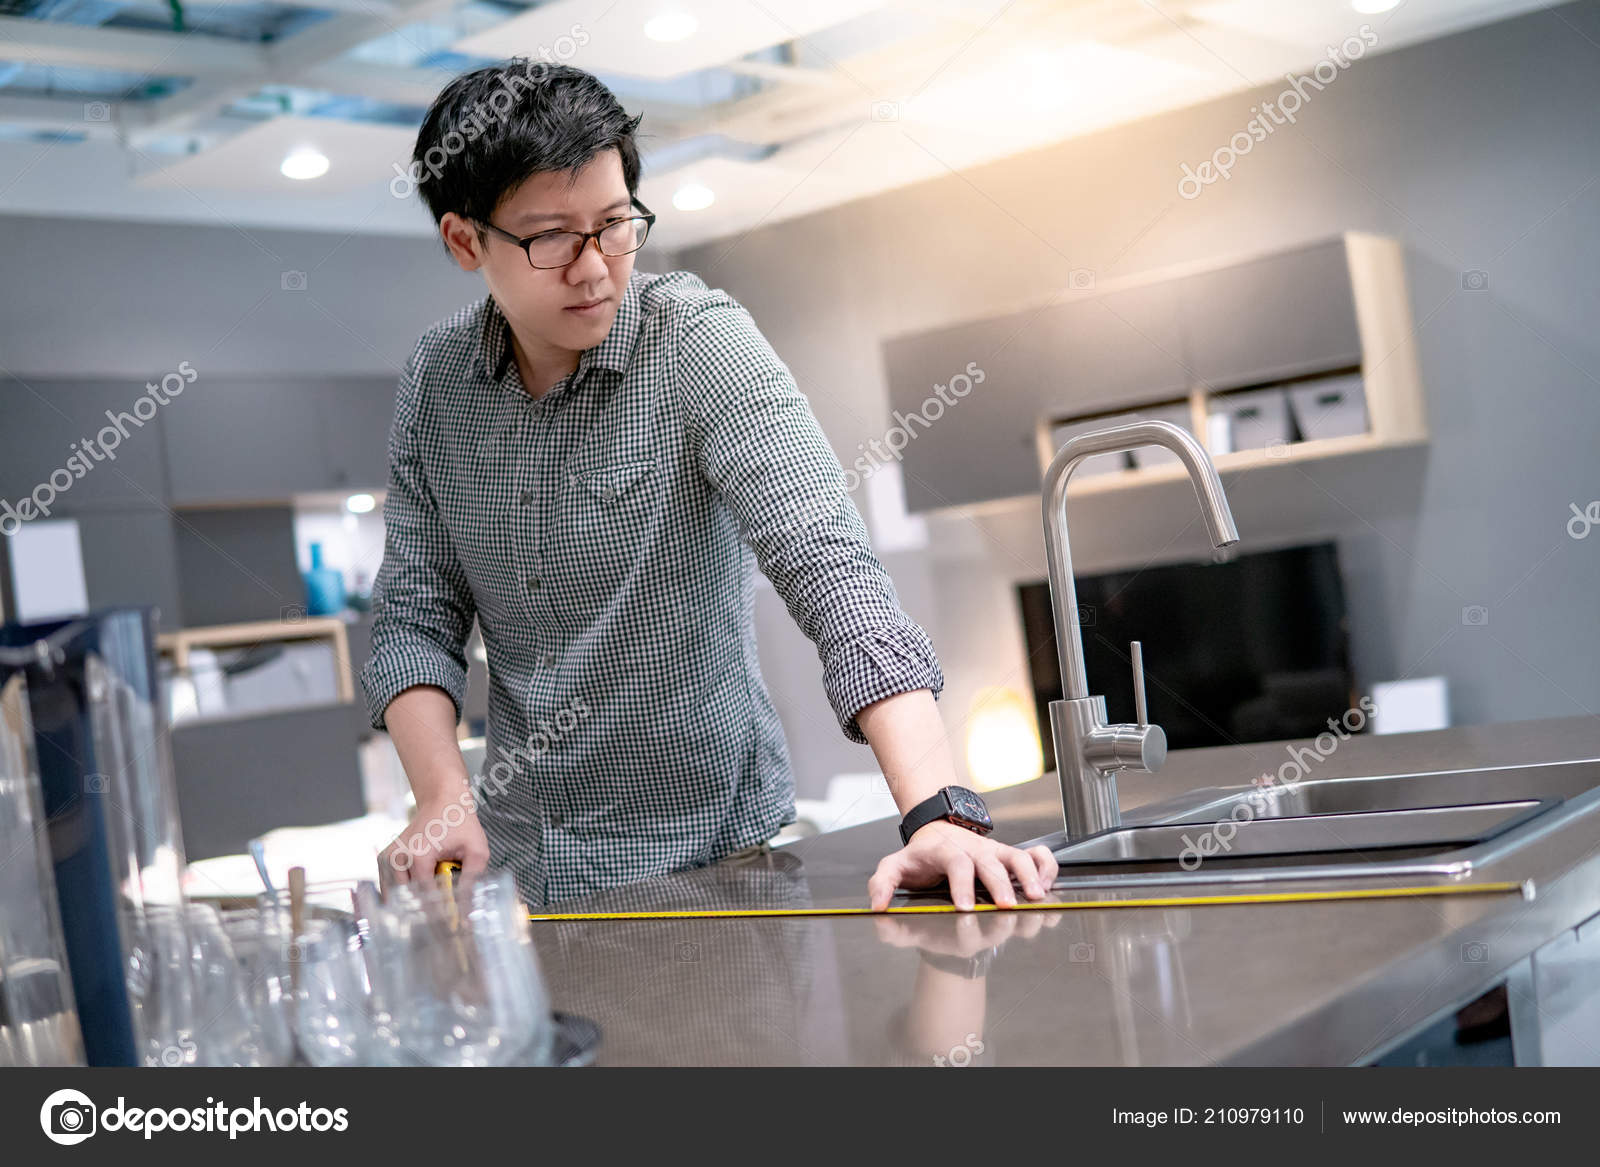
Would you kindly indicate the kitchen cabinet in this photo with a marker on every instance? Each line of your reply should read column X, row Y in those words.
column 1307, row 316
column 247, row 442
column 236, row 565
column 240, row 777
column 1270, row 318
column 1089, row 354
column 353, row 418
column 130, row 559
column 45, row 420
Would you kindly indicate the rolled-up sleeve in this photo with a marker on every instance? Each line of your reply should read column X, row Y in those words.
column 760, row 446
column 422, row 605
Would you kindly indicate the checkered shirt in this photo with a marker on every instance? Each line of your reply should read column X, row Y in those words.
column 605, row 537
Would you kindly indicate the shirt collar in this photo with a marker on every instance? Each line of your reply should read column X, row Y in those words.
column 612, row 353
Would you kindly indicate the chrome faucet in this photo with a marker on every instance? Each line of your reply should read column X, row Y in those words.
column 1089, row 751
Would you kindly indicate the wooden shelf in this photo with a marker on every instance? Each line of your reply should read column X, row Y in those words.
column 1390, row 378
column 330, row 628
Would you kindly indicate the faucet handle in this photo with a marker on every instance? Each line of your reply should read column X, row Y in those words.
column 1137, row 652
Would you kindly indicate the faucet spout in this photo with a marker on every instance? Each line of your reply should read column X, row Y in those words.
column 1063, row 592
column 1090, row 750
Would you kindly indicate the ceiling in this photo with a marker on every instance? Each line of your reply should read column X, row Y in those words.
column 157, row 109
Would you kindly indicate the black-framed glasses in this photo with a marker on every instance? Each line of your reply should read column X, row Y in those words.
column 552, row 249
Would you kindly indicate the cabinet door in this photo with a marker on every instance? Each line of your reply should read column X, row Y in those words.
column 1270, row 318
column 974, row 442
column 245, row 442
column 130, row 558
column 1088, row 355
column 45, row 420
column 354, row 427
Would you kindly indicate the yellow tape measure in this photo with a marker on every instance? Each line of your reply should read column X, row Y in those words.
column 448, row 869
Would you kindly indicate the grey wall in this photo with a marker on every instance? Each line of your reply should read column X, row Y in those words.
column 133, row 299
column 1478, row 151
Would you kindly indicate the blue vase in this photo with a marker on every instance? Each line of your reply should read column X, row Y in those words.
column 324, row 587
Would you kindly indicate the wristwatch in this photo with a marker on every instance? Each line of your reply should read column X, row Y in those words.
column 957, row 804
column 969, row 967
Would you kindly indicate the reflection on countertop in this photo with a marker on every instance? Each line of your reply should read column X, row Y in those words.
column 1314, row 983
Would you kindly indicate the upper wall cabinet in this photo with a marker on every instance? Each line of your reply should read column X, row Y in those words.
column 243, row 442
column 967, row 397
column 1230, row 351
column 1279, row 316
column 99, row 443
column 353, row 422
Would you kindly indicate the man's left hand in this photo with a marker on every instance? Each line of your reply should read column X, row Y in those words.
column 942, row 850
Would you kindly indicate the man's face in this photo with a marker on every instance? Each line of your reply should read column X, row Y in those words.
column 543, row 303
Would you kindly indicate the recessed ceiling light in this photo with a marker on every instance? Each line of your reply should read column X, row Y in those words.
column 360, row 504
column 304, row 164
column 1373, row 7
column 671, row 26
column 693, row 196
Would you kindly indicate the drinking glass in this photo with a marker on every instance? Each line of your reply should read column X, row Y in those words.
column 459, row 966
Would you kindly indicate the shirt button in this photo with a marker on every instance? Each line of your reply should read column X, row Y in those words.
column 608, row 493
column 526, row 498
column 555, row 818
column 542, row 660
column 532, row 583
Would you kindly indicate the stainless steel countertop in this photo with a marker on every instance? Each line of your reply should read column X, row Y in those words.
column 1299, row 983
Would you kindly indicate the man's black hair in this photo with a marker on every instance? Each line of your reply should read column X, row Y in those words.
column 488, row 131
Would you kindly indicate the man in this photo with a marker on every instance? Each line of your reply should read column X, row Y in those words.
column 590, row 462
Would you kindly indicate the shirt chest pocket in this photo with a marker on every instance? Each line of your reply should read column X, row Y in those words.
column 609, row 516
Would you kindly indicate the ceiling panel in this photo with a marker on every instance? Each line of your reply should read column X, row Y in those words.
column 358, row 154
column 609, row 37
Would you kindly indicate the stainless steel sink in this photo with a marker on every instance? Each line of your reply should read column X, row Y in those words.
column 1443, row 823
column 1368, row 835
column 1557, row 780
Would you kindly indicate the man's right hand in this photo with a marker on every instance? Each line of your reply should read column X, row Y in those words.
column 447, row 829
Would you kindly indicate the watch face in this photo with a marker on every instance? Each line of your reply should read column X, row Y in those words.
column 969, row 805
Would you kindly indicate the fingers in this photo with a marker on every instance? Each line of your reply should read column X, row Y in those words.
column 958, row 869
column 880, row 888
column 1025, row 867
column 997, row 880
column 1048, row 867
column 474, row 858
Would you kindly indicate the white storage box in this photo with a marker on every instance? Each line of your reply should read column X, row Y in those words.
column 1333, row 407
column 1178, row 415
column 1096, row 463
column 1252, row 420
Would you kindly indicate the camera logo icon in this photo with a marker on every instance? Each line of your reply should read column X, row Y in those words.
column 1475, row 616
column 68, row 1117
column 1474, row 281
column 1474, row 952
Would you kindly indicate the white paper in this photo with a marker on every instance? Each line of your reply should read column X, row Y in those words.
column 47, row 571
column 1410, row 706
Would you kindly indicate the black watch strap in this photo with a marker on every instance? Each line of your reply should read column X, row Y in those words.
column 954, row 803
column 969, row 967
